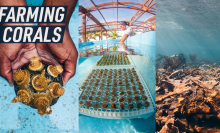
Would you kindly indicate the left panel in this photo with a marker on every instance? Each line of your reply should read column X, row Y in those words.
column 38, row 81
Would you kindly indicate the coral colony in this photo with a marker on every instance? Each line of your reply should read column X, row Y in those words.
column 38, row 87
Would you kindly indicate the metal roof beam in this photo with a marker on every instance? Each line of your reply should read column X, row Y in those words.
column 145, row 8
column 128, row 5
column 149, row 24
column 89, row 15
column 100, row 14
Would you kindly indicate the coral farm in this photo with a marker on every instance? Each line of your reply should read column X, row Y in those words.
column 188, row 98
column 38, row 85
column 113, row 60
column 113, row 89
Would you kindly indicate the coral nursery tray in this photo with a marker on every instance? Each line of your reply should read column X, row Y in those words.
column 114, row 61
column 115, row 93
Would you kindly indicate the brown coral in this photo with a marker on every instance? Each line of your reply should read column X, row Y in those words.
column 54, row 70
column 40, row 82
column 56, row 89
column 35, row 64
column 192, row 100
column 21, row 77
column 23, row 96
column 32, row 78
column 42, row 102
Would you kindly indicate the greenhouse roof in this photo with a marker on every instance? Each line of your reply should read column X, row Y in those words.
column 108, row 13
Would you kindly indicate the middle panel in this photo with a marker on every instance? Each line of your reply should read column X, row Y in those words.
column 117, row 66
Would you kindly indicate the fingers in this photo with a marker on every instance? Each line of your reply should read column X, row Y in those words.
column 28, row 45
column 8, row 53
column 42, row 46
column 70, row 66
column 64, row 53
column 5, row 69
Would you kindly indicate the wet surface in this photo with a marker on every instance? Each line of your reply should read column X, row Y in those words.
column 125, row 125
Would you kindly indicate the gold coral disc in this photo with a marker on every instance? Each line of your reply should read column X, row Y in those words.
column 26, row 93
column 54, row 70
column 22, row 77
column 35, row 64
column 56, row 89
column 37, row 87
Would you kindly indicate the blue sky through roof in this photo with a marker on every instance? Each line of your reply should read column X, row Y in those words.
column 124, row 14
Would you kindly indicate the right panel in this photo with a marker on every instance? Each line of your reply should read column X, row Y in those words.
column 187, row 66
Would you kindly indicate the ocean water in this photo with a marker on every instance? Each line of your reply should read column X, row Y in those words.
column 189, row 26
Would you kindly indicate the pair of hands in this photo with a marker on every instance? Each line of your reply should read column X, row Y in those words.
column 64, row 53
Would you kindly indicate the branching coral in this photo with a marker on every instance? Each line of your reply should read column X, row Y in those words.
column 192, row 101
column 40, row 82
column 174, row 62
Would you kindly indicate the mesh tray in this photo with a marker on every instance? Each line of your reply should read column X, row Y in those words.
column 122, row 66
column 117, row 113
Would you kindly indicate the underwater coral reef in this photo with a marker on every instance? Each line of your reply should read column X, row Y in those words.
column 172, row 62
column 188, row 98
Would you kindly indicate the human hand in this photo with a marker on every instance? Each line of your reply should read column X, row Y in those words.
column 65, row 54
column 8, row 53
column 123, row 45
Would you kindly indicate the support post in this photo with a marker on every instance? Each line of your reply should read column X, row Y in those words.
column 84, row 27
column 106, row 35
column 101, row 32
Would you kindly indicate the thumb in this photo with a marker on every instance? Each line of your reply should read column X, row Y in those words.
column 70, row 66
column 69, row 70
column 6, row 70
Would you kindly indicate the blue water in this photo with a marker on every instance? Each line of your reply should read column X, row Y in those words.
column 189, row 26
column 146, row 66
column 144, row 43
